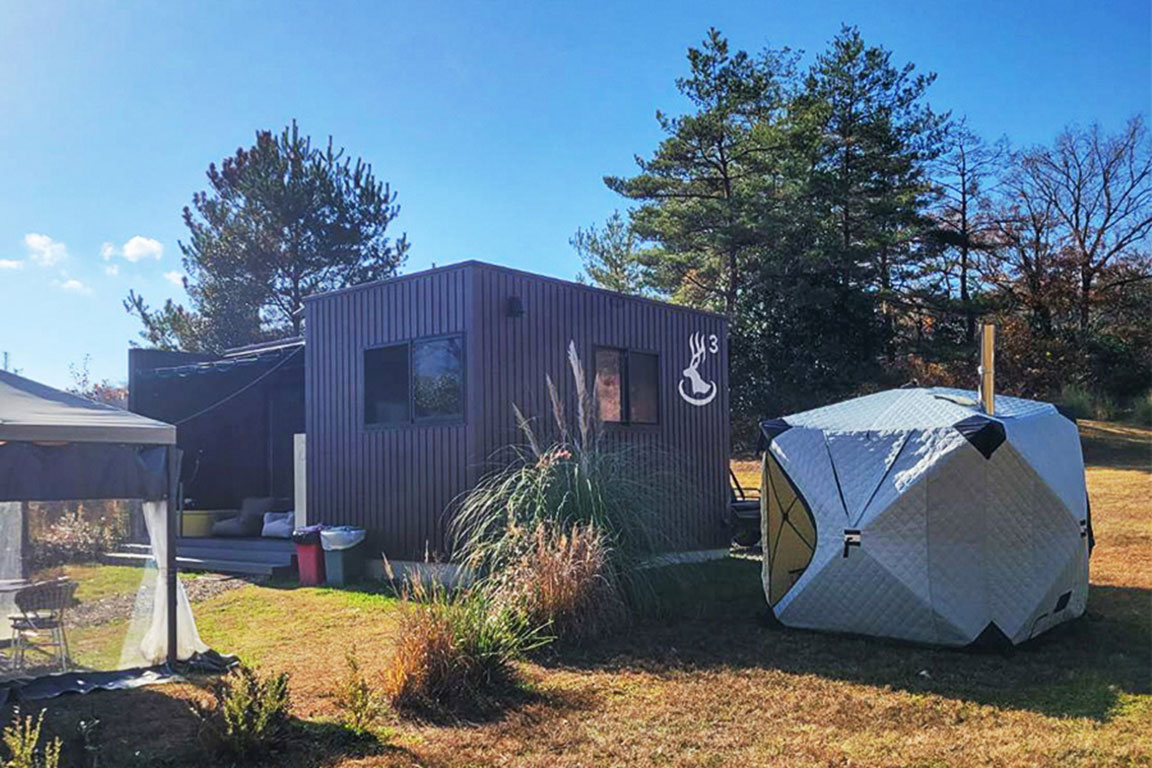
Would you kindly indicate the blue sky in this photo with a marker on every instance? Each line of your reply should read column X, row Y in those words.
column 494, row 121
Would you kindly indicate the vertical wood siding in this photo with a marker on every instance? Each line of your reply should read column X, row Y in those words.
column 395, row 481
column 400, row 482
column 521, row 352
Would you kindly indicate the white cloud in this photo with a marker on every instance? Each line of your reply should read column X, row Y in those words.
column 176, row 278
column 112, row 269
column 142, row 248
column 45, row 251
column 72, row 285
column 11, row 264
column 136, row 249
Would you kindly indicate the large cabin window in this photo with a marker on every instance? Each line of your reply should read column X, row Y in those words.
column 417, row 381
column 386, row 385
column 627, row 386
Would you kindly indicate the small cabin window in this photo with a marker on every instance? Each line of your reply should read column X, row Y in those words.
column 438, row 379
column 643, row 388
column 386, row 385
column 417, row 381
column 627, row 386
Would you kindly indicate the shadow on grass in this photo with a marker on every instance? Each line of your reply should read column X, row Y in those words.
column 514, row 698
column 1079, row 669
column 154, row 726
column 1116, row 446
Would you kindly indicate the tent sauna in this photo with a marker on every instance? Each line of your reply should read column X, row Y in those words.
column 916, row 514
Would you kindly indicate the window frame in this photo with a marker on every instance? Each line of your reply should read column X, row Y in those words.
column 413, row 421
column 625, row 385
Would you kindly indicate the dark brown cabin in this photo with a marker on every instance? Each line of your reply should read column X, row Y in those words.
column 410, row 385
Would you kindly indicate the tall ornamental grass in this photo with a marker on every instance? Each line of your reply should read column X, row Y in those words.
column 563, row 489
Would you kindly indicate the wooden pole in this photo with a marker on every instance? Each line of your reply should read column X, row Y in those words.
column 988, row 368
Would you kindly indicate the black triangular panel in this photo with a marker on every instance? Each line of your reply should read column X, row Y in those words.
column 769, row 430
column 985, row 434
column 1066, row 413
column 992, row 638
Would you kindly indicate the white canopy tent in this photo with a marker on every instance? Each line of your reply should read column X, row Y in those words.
column 55, row 446
column 912, row 514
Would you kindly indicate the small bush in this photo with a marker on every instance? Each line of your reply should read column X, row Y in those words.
column 75, row 535
column 1142, row 410
column 1077, row 401
column 1083, row 403
column 360, row 704
column 562, row 579
column 249, row 713
column 454, row 650
column 22, row 742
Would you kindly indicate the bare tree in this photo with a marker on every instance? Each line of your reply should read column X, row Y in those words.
column 966, row 175
column 1024, row 260
column 1099, row 190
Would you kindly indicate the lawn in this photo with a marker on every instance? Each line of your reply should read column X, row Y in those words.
column 709, row 685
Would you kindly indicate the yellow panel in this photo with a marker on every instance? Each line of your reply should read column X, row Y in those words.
column 788, row 541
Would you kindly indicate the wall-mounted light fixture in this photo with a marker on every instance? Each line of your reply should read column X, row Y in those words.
column 515, row 306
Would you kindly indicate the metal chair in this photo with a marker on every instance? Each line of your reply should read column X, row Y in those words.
column 42, row 606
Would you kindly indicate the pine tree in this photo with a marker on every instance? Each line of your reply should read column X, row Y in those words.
column 609, row 255
column 876, row 136
column 704, row 202
column 283, row 220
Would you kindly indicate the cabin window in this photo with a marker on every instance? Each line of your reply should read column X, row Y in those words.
column 417, row 381
column 386, row 385
column 438, row 379
column 627, row 388
column 643, row 391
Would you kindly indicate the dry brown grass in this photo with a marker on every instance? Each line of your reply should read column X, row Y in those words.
column 563, row 581
column 710, row 686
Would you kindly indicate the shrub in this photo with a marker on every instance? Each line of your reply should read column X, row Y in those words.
column 1077, row 401
column 454, row 649
column 562, row 579
column 361, row 705
column 22, row 742
column 1083, row 403
column 75, row 535
column 249, row 713
column 1142, row 410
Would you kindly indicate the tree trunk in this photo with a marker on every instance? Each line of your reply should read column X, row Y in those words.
column 965, row 298
column 1086, row 276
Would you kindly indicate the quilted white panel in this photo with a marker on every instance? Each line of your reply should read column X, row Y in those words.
column 897, row 538
column 957, row 497
column 924, row 453
column 905, row 409
column 1051, row 445
column 860, row 460
column 804, row 459
column 1030, row 542
column 859, row 595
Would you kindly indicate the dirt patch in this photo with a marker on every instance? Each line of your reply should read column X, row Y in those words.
column 115, row 607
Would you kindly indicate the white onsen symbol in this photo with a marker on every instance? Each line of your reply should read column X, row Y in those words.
column 702, row 391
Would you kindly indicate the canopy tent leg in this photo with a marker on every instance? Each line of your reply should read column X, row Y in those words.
column 170, row 556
